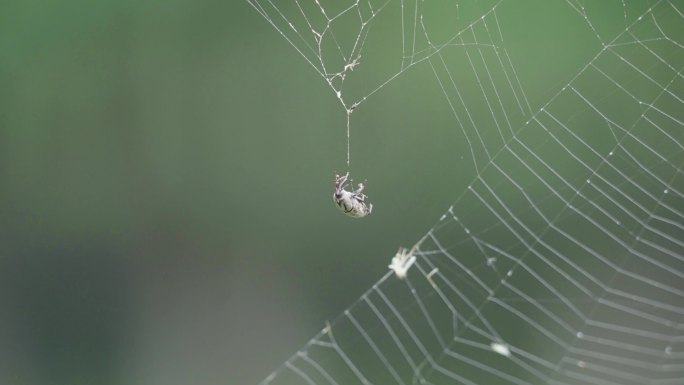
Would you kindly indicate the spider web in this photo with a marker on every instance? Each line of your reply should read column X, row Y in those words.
column 562, row 261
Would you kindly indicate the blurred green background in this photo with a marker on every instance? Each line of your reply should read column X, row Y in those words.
column 166, row 167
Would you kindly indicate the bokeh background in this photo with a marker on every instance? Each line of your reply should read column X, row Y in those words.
column 166, row 176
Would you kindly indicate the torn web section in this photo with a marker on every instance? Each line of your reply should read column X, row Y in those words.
column 359, row 46
column 334, row 38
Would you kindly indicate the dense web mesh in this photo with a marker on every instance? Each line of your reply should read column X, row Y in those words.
column 562, row 262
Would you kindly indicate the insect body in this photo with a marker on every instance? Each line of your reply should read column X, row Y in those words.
column 353, row 202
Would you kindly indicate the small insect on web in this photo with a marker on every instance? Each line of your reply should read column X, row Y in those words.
column 403, row 260
column 352, row 203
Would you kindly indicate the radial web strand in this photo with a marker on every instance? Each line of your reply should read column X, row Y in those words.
column 562, row 262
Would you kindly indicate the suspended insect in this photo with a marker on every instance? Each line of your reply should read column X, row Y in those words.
column 353, row 202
